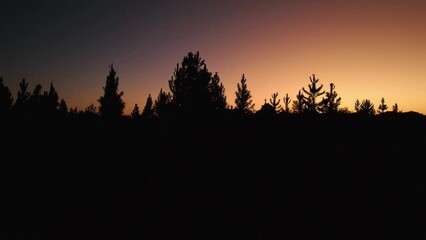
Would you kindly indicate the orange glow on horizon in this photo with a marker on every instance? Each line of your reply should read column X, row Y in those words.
column 368, row 49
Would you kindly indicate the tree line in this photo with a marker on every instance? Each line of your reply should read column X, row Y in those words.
column 193, row 89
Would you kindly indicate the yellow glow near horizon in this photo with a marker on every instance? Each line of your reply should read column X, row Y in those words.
column 368, row 49
column 368, row 53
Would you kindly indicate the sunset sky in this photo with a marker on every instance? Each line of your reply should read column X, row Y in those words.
column 368, row 49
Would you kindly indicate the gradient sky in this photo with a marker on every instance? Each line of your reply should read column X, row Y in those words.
column 368, row 49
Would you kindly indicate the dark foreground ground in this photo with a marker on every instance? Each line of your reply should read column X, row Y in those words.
column 228, row 177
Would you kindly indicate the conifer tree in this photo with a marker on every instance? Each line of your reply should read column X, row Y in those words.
column 217, row 90
column 51, row 100
column 21, row 103
column 135, row 114
column 299, row 104
column 194, row 89
column 312, row 94
column 395, row 108
column 243, row 99
column 367, row 107
column 287, row 102
column 382, row 107
column 357, row 105
column 23, row 94
column 148, row 110
column 111, row 104
column 330, row 103
column 275, row 102
column 35, row 101
column 63, row 109
column 162, row 103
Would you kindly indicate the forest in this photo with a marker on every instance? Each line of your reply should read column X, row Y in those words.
column 188, row 165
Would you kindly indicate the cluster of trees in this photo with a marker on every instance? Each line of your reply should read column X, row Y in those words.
column 35, row 103
column 193, row 90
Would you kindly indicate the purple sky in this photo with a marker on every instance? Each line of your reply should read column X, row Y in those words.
column 368, row 49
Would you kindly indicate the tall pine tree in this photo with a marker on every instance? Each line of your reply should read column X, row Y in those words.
column 275, row 102
column 194, row 89
column 51, row 100
column 217, row 90
column 312, row 94
column 287, row 101
column 148, row 110
column 111, row 104
column 162, row 103
column 331, row 102
column 243, row 99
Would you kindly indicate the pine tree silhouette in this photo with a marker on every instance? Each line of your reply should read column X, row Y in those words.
column 395, row 108
column 217, row 90
column 357, row 106
column 312, row 94
column 135, row 114
column 367, row 108
column 330, row 103
column 63, row 109
column 35, row 102
column 274, row 103
column 23, row 94
column 287, row 102
column 382, row 107
column 299, row 105
column 111, row 104
column 162, row 105
column 148, row 110
column 21, row 103
column 243, row 100
column 51, row 100
column 194, row 89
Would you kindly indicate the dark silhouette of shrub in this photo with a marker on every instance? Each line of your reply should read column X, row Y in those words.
column 266, row 111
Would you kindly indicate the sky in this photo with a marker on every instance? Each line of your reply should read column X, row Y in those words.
column 368, row 49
